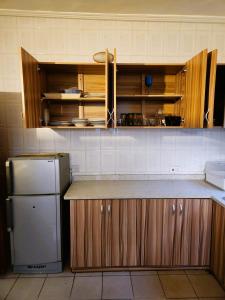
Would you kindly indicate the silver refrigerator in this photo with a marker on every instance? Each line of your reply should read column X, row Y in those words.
column 36, row 185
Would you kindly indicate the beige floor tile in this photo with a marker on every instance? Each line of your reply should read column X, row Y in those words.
column 64, row 274
column 9, row 275
column 87, row 288
column 56, row 288
column 177, row 286
column 33, row 276
column 117, row 287
column 116, row 273
column 196, row 272
column 212, row 298
column 88, row 274
column 26, row 289
column 206, row 286
column 5, row 286
column 171, row 272
column 147, row 287
column 138, row 273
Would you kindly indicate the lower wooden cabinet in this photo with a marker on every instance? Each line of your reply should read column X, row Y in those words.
column 104, row 233
column 218, row 243
column 177, row 232
column 140, row 233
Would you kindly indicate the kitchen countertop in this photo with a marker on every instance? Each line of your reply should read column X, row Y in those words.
column 134, row 189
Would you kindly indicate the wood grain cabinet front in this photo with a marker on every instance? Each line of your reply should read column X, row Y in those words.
column 218, row 243
column 104, row 233
column 176, row 232
column 140, row 233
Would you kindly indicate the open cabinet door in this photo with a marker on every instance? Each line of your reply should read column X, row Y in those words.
column 210, row 88
column 195, row 90
column 31, row 94
column 106, row 86
column 114, row 91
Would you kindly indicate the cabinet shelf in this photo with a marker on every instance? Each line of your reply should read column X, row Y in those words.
column 74, row 127
column 81, row 99
column 164, row 127
column 154, row 97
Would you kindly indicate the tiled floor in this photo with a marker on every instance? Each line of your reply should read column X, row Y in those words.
column 143, row 285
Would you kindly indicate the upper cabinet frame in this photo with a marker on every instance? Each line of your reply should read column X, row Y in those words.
column 192, row 91
column 42, row 86
column 184, row 90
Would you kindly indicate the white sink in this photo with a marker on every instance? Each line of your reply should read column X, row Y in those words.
column 215, row 173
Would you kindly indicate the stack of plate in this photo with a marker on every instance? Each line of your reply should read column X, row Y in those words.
column 97, row 122
column 80, row 122
column 94, row 95
column 60, row 123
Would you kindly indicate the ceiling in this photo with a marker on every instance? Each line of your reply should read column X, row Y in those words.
column 168, row 7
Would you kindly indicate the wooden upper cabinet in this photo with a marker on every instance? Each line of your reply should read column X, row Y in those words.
column 31, row 93
column 47, row 97
column 153, row 95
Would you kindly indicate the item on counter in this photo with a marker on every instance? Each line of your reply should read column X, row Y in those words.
column 72, row 90
column 62, row 96
column 123, row 118
column 148, row 80
column 99, row 57
column 131, row 119
column 80, row 122
column 94, row 95
column 97, row 122
column 60, row 123
column 46, row 116
column 172, row 120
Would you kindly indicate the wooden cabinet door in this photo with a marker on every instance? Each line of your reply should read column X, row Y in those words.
column 157, row 232
column 194, row 95
column 114, row 90
column 86, row 219
column 168, row 231
column 193, row 232
column 218, row 243
column 210, row 88
column 31, row 94
column 122, row 233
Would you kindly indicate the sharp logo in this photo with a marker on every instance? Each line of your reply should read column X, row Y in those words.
column 36, row 266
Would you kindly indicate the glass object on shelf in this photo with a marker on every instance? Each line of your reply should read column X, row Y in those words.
column 148, row 81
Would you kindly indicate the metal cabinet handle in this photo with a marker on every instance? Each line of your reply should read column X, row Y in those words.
column 181, row 208
column 102, row 208
column 9, row 215
column 206, row 116
column 109, row 208
column 173, row 208
column 8, row 166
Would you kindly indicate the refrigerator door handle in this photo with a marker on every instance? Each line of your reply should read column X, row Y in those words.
column 9, row 215
column 8, row 165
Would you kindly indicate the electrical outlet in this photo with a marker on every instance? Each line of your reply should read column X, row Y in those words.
column 175, row 169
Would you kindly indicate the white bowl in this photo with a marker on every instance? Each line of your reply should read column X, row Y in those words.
column 99, row 57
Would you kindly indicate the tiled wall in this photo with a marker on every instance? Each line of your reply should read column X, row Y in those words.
column 112, row 152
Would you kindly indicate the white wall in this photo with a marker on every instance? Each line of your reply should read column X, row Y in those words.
column 99, row 152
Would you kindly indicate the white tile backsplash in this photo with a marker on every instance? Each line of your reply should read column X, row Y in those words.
column 114, row 153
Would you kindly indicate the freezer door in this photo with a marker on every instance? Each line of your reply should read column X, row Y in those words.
column 33, row 177
column 36, row 235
